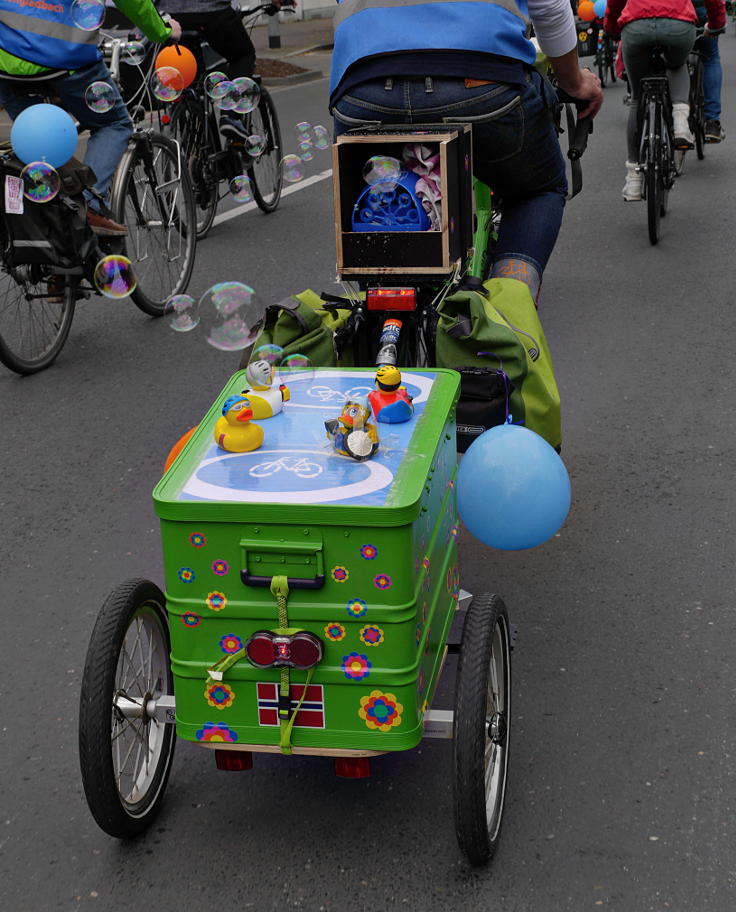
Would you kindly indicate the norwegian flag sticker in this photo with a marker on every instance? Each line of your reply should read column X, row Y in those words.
column 311, row 713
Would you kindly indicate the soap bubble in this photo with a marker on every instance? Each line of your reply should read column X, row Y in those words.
column 305, row 150
column 303, row 129
column 296, row 368
column 321, row 137
column 134, row 53
column 249, row 93
column 240, row 188
column 87, row 15
column 225, row 95
column 99, row 97
column 184, row 312
column 255, row 144
column 383, row 171
column 292, row 168
column 114, row 276
column 167, row 84
column 41, row 182
column 268, row 352
column 212, row 80
column 233, row 319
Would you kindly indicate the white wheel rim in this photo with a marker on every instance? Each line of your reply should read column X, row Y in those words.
column 137, row 744
column 497, row 718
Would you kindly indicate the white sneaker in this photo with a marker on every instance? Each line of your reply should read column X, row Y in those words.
column 632, row 187
column 683, row 136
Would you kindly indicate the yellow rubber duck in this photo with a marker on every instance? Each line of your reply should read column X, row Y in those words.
column 266, row 400
column 235, row 432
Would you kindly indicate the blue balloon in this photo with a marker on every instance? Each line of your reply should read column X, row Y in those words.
column 599, row 8
column 44, row 132
column 513, row 490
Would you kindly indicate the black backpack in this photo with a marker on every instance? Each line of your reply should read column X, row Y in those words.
column 55, row 233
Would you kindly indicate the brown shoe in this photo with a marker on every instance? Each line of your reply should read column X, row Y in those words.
column 55, row 289
column 105, row 227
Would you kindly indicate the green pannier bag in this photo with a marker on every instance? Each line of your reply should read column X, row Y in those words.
column 499, row 332
column 301, row 325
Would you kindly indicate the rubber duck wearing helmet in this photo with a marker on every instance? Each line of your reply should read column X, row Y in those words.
column 352, row 433
column 266, row 400
column 235, row 432
column 390, row 401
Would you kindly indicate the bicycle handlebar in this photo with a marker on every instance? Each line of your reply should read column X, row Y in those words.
column 579, row 134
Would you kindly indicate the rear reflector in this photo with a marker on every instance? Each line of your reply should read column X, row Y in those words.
column 233, row 761
column 300, row 650
column 352, row 767
column 391, row 299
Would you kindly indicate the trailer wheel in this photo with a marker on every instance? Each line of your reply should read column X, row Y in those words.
column 125, row 753
column 481, row 728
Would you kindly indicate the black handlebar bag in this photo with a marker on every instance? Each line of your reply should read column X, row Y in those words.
column 54, row 233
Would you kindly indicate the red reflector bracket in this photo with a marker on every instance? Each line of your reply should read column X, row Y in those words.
column 391, row 299
column 233, row 761
column 352, row 767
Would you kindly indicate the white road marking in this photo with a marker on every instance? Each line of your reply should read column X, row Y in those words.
column 294, row 188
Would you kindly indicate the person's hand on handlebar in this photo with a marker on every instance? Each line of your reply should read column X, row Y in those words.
column 175, row 35
column 583, row 85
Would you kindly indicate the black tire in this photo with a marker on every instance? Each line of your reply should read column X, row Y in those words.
column 33, row 329
column 652, row 177
column 481, row 728
column 152, row 196
column 699, row 125
column 265, row 172
column 134, row 607
column 600, row 60
column 195, row 133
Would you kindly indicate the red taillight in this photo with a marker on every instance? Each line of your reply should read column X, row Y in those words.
column 165, row 119
column 391, row 299
column 301, row 650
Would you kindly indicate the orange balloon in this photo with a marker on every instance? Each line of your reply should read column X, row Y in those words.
column 177, row 448
column 586, row 11
column 181, row 59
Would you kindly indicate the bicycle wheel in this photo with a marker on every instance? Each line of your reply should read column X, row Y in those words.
column 611, row 49
column 265, row 172
column 33, row 329
column 152, row 196
column 697, row 111
column 125, row 757
column 481, row 728
column 194, row 131
column 600, row 62
column 652, row 179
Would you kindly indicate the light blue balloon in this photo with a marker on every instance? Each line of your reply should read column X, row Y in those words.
column 44, row 132
column 513, row 490
column 599, row 8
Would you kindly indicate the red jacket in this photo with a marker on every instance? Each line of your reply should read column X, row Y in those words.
column 619, row 12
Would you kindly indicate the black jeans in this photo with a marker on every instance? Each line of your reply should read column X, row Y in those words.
column 226, row 35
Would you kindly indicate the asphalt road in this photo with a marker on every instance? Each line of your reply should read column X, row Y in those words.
column 622, row 787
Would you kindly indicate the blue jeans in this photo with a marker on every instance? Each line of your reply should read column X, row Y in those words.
column 712, row 77
column 515, row 147
column 109, row 132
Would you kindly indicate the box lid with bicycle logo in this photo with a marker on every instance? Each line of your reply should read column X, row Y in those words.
column 296, row 470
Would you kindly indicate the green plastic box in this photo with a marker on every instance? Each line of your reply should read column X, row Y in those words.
column 370, row 551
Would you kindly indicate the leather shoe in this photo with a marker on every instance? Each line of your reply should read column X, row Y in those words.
column 104, row 227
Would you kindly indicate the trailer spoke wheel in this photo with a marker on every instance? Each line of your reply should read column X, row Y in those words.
column 481, row 728
column 125, row 753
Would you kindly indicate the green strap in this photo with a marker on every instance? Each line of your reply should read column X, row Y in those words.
column 217, row 670
column 286, row 726
column 280, row 590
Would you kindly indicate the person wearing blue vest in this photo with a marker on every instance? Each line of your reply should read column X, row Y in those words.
column 40, row 43
column 471, row 61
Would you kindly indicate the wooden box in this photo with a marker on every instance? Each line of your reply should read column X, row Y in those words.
column 414, row 254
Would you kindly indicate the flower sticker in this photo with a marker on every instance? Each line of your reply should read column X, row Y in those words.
column 369, row 552
column 231, row 643
column 380, row 711
column 356, row 666
column 190, row 619
column 420, row 681
column 340, row 574
column 425, row 563
column 425, row 611
column 382, row 581
column 216, row 601
column 453, row 581
column 454, row 531
column 214, row 731
column 356, row 607
column 427, row 641
column 220, row 567
column 334, row 632
column 419, row 633
column 187, row 575
column 219, row 695
column 371, row 635
column 197, row 540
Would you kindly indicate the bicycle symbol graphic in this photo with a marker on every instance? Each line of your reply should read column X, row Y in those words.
column 299, row 465
column 327, row 394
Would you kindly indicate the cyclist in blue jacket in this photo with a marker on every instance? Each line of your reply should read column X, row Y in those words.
column 401, row 61
column 41, row 44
